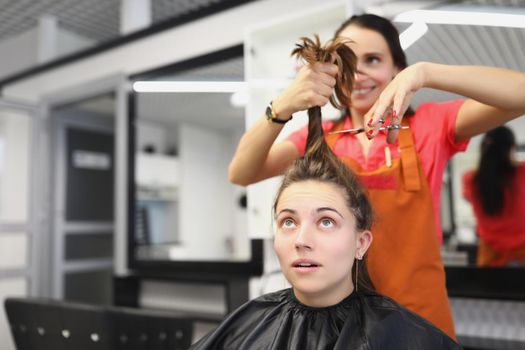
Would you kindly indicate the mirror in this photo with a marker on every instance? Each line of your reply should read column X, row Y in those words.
column 460, row 43
column 185, row 208
column 464, row 239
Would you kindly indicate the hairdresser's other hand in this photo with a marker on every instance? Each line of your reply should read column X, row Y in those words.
column 395, row 100
column 313, row 86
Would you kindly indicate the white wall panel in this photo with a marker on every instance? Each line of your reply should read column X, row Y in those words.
column 15, row 143
column 13, row 251
column 18, row 53
column 206, row 203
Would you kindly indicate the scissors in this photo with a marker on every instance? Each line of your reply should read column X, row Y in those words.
column 356, row 131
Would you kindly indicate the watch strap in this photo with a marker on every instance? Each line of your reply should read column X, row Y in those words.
column 272, row 117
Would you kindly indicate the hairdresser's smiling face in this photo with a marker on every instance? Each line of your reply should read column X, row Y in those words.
column 316, row 242
column 375, row 66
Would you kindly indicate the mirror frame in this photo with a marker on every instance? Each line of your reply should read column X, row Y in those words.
column 507, row 283
column 181, row 268
column 484, row 282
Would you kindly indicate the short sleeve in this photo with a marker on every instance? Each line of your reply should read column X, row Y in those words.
column 451, row 110
column 437, row 121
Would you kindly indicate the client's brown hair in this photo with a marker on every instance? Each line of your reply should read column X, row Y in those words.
column 319, row 162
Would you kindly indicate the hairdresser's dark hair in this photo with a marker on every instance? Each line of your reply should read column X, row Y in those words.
column 496, row 170
column 319, row 163
column 384, row 27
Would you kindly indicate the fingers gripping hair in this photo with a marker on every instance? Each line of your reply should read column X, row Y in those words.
column 338, row 52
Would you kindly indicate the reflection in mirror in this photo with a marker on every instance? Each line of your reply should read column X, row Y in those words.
column 185, row 207
column 466, row 238
column 496, row 193
column 465, row 40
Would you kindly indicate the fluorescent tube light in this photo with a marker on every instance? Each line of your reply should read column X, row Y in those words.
column 208, row 86
column 412, row 34
column 188, row 86
column 463, row 18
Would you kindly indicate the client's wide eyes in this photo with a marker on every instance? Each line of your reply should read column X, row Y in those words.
column 326, row 223
column 287, row 223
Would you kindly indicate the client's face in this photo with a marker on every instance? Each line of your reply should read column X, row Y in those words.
column 316, row 242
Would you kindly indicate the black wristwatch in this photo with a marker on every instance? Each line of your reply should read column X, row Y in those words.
column 271, row 117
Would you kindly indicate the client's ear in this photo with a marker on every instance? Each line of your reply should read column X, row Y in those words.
column 364, row 239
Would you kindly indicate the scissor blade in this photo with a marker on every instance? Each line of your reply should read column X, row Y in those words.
column 360, row 130
column 354, row 131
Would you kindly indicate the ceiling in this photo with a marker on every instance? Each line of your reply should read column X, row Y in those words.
column 449, row 44
column 469, row 44
column 99, row 20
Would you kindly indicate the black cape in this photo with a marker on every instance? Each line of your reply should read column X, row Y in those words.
column 361, row 321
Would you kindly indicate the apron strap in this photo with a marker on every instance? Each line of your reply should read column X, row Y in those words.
column 409, row 159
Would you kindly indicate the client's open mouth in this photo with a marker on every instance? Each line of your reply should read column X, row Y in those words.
column 305, row 264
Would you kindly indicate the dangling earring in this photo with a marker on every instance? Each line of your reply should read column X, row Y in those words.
column 356, row 272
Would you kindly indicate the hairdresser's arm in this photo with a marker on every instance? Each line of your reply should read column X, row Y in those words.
column 495, row 95
column 257, row 157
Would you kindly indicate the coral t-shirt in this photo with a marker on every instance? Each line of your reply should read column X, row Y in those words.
column 433, row 129
column 505, row 231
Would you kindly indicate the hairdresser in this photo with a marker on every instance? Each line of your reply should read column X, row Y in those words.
column 401, row 168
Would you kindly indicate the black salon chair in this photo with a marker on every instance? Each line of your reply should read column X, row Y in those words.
column 43, row 324
column 85, row 327
column 34, row 324
column 139, row 329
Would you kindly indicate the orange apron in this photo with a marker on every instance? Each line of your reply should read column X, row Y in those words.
column 404, row 259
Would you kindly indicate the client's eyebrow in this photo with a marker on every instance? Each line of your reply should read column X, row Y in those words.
column 329, row 209
column 318, row 210
column 286, row 210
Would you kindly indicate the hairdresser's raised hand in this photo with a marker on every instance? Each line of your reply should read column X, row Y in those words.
column 395, row 99
column 313, row 86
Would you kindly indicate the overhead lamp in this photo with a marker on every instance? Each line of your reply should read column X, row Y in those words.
column 462, row 18
column 412, row 34
column 188, row 86
column 208, row 86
